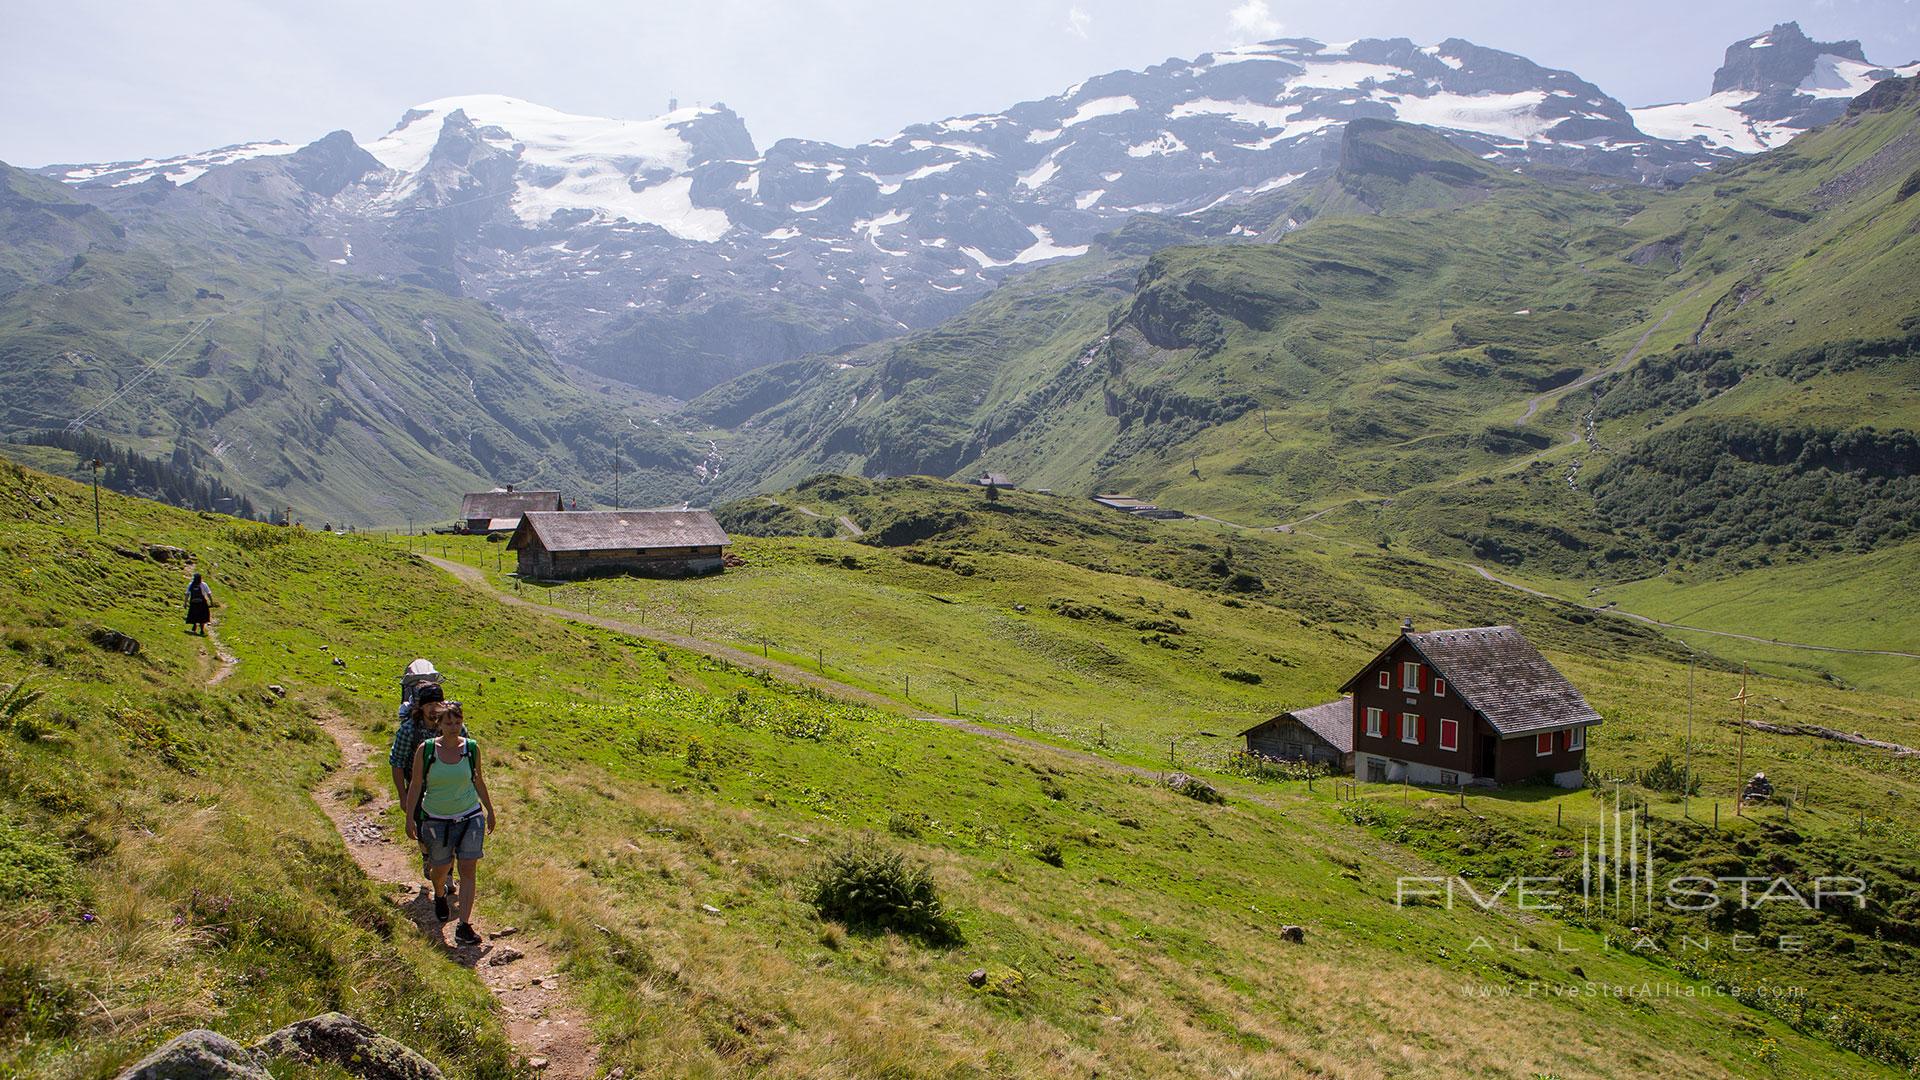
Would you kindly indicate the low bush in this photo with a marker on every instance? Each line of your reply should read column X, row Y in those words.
column 869, row 887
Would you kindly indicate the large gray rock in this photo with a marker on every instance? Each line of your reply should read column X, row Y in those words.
column 198, row 1055
column 346, row 1042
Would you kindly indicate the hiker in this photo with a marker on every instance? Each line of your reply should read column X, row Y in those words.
column 446, row 803
column 419, row 689
column 199, row 605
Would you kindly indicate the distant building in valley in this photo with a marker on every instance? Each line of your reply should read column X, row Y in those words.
column 1454, row 707
column 1137, row 507
column 993, row 480
column 584, row 543
column 500, row 510
column 1321, row 734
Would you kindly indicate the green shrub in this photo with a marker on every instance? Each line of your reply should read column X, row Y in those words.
column 870, row 888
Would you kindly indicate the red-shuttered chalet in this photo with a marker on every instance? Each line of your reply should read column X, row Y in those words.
column 1453, row 707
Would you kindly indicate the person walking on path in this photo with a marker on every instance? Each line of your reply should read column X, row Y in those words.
column 454, row 813
column 418, row 711
column 199, row 605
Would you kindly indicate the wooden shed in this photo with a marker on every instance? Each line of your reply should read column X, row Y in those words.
column 1321, row 734
column 500, row 510
column 584, row 543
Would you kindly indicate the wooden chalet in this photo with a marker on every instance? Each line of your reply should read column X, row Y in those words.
column 585, row 543
column 500, row 510
column 1321, row 734
column 1474, row 706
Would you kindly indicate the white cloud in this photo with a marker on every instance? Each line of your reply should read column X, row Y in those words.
column 1078, row 21
column 1253, row 21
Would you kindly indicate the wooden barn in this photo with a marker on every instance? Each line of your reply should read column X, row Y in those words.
column 1322, row 734
column 500, row 510
column 1455, row 707
column 585, row 543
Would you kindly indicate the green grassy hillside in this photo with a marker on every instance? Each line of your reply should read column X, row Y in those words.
column 163, row 866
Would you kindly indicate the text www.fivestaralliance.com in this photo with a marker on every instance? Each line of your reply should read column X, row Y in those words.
column 1590, row 989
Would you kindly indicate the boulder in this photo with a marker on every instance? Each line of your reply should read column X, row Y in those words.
column 1295, row 934
column 113, row 640
column 197, row 1055
column 353, row 1046
column 977, row 977
column 166, row 553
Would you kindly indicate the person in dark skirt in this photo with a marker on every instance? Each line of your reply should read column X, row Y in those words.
column 199, row 605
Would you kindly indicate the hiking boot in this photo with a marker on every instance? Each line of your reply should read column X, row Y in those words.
column 440, row 909
column 465, row 935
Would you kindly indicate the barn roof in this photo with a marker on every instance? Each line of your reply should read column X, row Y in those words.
column 1332, row 721
column 506, row 504
column 1497, row 670
column 599, row 530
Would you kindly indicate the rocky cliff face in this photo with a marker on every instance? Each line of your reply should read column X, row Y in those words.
column 672, row 253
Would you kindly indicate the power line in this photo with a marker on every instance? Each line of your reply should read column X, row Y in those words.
column 166, row 358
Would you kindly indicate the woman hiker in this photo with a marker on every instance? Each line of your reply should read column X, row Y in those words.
column 454, row 812
column 199, row 604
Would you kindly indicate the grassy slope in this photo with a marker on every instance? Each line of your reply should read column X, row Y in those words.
column 1854, row 601
column 638, row 784
column 944, row 611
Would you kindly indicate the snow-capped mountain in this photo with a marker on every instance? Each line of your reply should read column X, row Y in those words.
column 673, row 253
column 1771, row 88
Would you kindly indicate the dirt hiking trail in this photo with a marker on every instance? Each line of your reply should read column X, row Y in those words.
column 546, row 1027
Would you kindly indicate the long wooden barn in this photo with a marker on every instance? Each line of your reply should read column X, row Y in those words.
column 585, row 543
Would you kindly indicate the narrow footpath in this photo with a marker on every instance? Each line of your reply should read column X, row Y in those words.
column 552, row 1034
column 549, row 1031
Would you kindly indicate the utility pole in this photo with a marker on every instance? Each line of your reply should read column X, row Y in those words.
column 95, row 466
column 1740, row 769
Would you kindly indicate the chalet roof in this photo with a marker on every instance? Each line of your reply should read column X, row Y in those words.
column 1497, row 670
column 994, row 479
column 1332, row 721
column 506, row 504
column 599, row 530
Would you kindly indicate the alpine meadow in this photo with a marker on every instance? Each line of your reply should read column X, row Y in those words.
column 1376, row 559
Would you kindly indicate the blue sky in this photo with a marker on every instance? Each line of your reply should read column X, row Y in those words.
column 91, row 81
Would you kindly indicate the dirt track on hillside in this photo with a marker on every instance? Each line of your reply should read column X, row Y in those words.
column 544, row 1024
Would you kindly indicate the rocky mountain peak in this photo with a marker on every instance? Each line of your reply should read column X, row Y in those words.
column 329, row 164
column 1783, row 57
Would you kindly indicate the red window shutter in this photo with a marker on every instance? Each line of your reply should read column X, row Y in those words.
column 1421, row 726
column 1386, row 680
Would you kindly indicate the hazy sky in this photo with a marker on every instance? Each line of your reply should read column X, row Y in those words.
column 91, row 81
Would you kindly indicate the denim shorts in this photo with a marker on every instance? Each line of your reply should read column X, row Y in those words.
column 448, row 840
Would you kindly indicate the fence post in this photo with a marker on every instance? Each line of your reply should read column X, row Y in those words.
column 1557, row 808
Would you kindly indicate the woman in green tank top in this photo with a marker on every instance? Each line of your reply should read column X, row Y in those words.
column 448, row 808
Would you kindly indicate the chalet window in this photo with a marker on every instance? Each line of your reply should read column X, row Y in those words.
column 1412, row 727
column 1386, row 680
column 1449, row 734
column 1543, row 744
column 1576, row 738
column 1410, row 676
column 1373, row 722
column 1439, row 688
